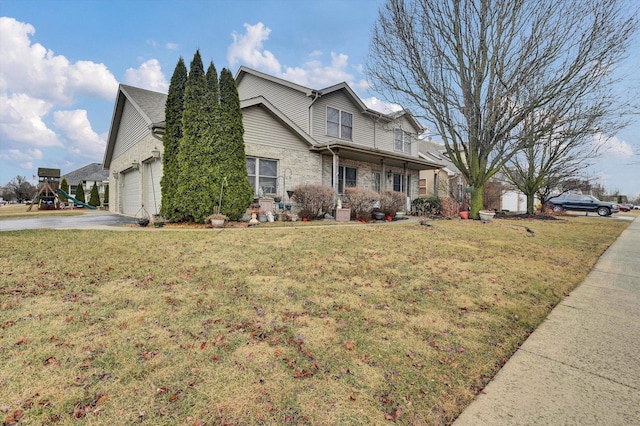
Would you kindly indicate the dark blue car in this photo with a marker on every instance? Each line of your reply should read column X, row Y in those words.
column 583, row 203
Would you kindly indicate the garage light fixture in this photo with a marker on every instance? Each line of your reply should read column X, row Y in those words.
column 155, row 152
column 134, row 165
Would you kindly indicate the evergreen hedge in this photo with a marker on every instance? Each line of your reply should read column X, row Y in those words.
column 171, row 141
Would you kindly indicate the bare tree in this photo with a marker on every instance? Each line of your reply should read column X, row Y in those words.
column 459, row 64
column 20, row 189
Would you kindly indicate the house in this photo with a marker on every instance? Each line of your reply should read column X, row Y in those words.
column 87, row 176
column 293, row 135
column 444, row 182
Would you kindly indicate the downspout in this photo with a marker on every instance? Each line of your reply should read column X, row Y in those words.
column 334, row 178
column 310, row 126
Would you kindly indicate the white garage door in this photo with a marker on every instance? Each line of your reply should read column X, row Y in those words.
column 131, row 193
column 153, row 173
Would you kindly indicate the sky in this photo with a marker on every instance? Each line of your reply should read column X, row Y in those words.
column 61, row 63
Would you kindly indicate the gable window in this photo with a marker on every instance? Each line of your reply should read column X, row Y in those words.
column 339, row 123
column 347, row 178
column 263, row 174
column 402, row 141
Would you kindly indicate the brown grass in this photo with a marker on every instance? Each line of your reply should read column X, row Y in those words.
column 312, row 325
column 14, row 211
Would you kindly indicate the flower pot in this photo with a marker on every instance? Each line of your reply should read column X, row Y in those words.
column 486, row 215
column 399, row 215
column 378, row 215
column 305, row 219
column 388, row 218
column 217, row 223
column 143, row 222
column 262, row 218
column 464, row 215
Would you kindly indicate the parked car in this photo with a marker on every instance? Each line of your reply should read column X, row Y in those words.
column 636, row 207
column 625, row 207
column 583, row 203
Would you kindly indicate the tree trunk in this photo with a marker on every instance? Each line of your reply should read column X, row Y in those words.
column 476, row 202
column 531, row 204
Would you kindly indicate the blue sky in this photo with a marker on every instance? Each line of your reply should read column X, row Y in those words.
column 61, row 62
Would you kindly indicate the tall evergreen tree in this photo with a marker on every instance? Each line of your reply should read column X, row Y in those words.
column 64, row 185
column 94, row 196
column 195, row 178
column 237, row 193
column 171, row 142
column 214, row 147
column 80, row 192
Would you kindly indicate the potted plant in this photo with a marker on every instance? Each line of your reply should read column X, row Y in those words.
column 262, row 216
column 158, row 221
column 486, row 215
column 217, row 220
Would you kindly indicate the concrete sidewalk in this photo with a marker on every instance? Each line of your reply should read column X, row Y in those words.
column 582, row 365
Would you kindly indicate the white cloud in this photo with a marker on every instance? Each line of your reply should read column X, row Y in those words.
column 381, row 106
column 76, row 128
column 248, row 49
column 24, row 159
column 612, row 146
column 21, row 122
column 40, row 73
column 172, row 46
column 147, row 76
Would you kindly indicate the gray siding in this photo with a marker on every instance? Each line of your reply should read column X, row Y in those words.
column 293, row 103
column 363, row 133
column 266, row 137
column 132, row 129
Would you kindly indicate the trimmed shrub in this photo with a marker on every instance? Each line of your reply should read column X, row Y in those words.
column 79, row 192
column 392, row 202
column 429, row 206
column 106, row 195
column 449, row 208
column 317, row 199
column 361, row 201
column 94, row 197
column 64, row 185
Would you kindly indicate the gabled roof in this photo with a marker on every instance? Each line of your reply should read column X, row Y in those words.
column 149, row 104
column 355, row 99
column 276, row 113
column 433, row 151
column 90, row 172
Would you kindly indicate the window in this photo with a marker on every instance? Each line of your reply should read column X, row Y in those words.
column 376, row 181
column 398, row 182
column 402, row 141
column 339, row 123
column 263, row 174
column 347, row 177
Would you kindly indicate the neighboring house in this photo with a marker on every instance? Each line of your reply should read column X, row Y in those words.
column 444, row 182
column 87, row 176
column 448, row 181
column 293, row 135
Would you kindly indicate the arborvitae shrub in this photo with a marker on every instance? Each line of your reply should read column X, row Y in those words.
column 64, row 185
column 80, row 192
column 94, row 196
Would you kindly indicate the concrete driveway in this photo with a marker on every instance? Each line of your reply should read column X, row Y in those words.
column 89, row 220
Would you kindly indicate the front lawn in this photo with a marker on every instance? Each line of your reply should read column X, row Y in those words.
column 313, row 325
